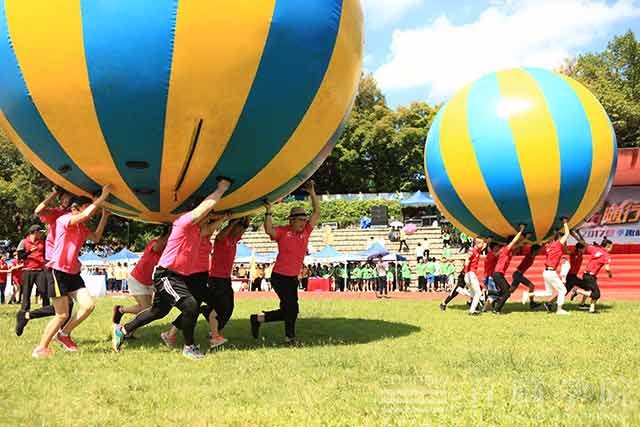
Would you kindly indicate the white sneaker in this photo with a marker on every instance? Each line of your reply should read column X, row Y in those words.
column 561, row 311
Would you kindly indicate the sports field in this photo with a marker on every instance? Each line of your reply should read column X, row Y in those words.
column 360, row 362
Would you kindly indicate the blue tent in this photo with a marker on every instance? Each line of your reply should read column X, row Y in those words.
column 91, row 258
column 418, row 199
column 394, row 257
column 327, row 254
column 375, row 251
column 124, row 255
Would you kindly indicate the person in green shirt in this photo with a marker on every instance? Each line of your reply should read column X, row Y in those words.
column 431, row 274
column 421, row 271
column 446, row 253
column 370, row 278
column 446, row 238
column 406, row 277
column 356, row 275
column 391, row 275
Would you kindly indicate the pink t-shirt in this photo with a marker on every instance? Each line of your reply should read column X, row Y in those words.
column 224, row 253
column 143, row 271
column 182, row 247
column 292, row 247
column 201, row 264
column 68, row 242
column 50, row 216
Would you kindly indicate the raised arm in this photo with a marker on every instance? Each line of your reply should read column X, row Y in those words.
column 268, row 223
column 578, row 236
column 45, row 203
column 517, row 237
column 310, row 188
column 205, row 207
column 567, row 232
column 87, row 213
column 97, row 235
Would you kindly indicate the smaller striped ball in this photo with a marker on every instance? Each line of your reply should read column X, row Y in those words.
column 521, row 146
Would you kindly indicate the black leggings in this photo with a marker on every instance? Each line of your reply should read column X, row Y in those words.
column 503, row 291
column 286, row 287
column 3, row 286
column 218, row 296
column 454, row 293
column 382, row 285
column 30, row 278
column 591, row 283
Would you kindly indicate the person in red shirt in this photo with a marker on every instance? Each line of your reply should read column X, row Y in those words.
column 467, row 283
column 573, row 280
column 180, row 260
column 64, row 280
column 504, row 259
column 518, row 277
column 599, row 258
column 490, row 262
column 553, row 252
column 49, row 216
column 16, row 276
column 4, row 271
column 31, row 255
column 140, row 280
column 293, row 240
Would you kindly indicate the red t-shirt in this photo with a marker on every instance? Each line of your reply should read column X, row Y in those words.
column 599, row 258
column 554, row 252
column 3, row 276
column 182, row 247
column 34, row 254
column 16, row 276
column 490, row 263
column 526, row 262
column 224, row 253
column 292, row 247
column 50, row 216
column 504, row 259
column 204, row 251
column 575, row 262
column 67, row 245
column 474, row 260
column 143, row 271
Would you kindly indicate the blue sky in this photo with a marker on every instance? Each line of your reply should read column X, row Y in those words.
column 427, row 49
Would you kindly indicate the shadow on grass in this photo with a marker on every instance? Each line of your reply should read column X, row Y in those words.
column 516, row 307
column 311, row 332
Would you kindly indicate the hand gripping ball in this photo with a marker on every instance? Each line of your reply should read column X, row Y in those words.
column 161, row 97
column 522, row 146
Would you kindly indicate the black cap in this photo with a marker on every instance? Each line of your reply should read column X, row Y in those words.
column 79, row 201
column 34, row 229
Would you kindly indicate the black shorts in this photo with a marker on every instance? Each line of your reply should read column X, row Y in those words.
column 574, row 280
column 169, row 286
column 60, row 284
column 220, row 286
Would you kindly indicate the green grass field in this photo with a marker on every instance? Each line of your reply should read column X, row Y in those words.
column 360, row 363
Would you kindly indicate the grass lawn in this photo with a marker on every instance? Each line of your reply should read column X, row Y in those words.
column 360, row 363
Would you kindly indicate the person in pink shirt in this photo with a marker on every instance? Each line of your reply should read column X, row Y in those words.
column 292, row 240
column 140, row 280
column 179, row 260
column 63, row 279
column 49, row 216
column 553, row 253
column 199, row 288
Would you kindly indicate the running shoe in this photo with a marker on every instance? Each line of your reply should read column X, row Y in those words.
column 21, row 322
column 548, row 306
column 117, row 314
column 534, row 305
column 255, row 326
column 291, row 342
column 443, row 307
column 117, row 337
column 168, row 340
column 42, row 353
column 66, row 342
column 583, row 307
column 192, row 352
column 475, row 313
column 562, row 312
column 217, row 341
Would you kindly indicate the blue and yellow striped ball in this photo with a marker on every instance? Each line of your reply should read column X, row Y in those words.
column 160, row 97
column 521, row 146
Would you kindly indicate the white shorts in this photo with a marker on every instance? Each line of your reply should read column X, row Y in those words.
column 137, row 288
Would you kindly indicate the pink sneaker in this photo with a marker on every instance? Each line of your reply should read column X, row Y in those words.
column 168, row 340
column 217, row 341
column 42, row 353
column 66, row 342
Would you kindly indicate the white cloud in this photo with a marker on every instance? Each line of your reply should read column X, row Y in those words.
column 379, row 13
column 510, row 33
